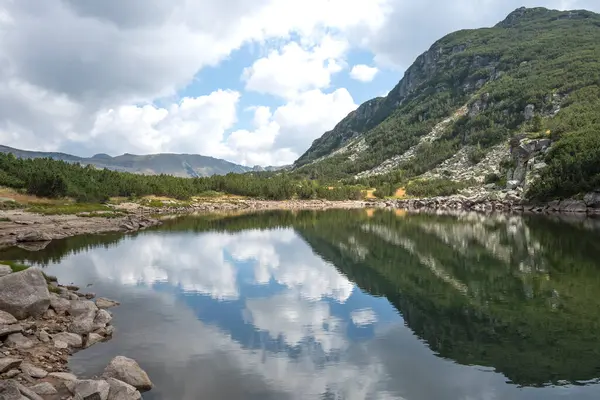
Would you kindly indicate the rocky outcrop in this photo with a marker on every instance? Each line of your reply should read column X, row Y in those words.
column 33, row 362
column 24, row 293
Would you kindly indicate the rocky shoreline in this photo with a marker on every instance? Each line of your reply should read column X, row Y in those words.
column 34, row 231
column 40, row 328
column 497, row 202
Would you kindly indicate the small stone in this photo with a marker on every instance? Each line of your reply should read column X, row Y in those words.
column 71, row 339
column 44, row 389
column 9, row 363
column 19, row 341
column 49, row 314
column 11, row 374
column 91, row 390
column 33, row 371
column 59, row 344
column 102, row 302
column 128, row 371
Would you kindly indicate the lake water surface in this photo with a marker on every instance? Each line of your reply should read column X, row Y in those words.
column 347, row 305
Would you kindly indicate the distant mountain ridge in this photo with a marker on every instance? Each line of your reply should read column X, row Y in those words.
column 182, row 165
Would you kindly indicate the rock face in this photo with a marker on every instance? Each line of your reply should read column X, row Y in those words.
column 128, row 371
column 24, row 293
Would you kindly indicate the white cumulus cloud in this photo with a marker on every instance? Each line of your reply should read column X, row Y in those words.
column 363, row 73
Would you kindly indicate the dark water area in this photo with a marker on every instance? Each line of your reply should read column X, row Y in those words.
column 357, row 304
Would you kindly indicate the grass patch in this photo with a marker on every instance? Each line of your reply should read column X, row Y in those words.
column 54, row 289
column 5, row 219
column 18, row 267
column 67, row 209
column 103, row 214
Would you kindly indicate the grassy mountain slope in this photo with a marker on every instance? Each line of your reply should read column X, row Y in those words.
column 533, row 75
column 183, row 165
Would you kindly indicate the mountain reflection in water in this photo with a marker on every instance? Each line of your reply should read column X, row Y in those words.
column 347, row 304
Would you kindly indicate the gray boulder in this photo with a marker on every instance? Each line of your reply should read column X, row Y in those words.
column 59, row 304
column 71, row 339
column 33, row 371
column 84, row 312
column 575, row 206
column 92, row 339
column 10, row 329
column 122, row 391
column 34, row 236
column 63, row 376
column 7, row 319
column 91, row 390
column 128, row 371
column 102, row 319
column 44, row 389
column 8, row 363
column 19, row 341
column 24, row 293
column 592, row 200
column 28, row 393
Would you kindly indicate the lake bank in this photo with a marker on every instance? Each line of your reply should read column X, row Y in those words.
column 32, row 230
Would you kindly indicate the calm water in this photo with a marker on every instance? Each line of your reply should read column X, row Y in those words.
column 347, row 305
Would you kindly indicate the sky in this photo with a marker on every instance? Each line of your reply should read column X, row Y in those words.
column 252, row 82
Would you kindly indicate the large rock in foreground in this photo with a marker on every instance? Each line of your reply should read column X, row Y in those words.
column 24, row 293
column 128, row 371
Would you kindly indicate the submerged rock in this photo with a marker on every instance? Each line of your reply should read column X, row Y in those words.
column 24, row 293
column 102, row 302
column 128, row 371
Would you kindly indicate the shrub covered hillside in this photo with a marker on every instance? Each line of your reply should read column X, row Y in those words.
column 52, row 178
column 535, row 74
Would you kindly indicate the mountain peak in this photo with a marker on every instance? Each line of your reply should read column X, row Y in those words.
column 523, row 15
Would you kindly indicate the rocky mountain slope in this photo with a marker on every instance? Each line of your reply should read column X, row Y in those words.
column 184, row 165
column 515, row 106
